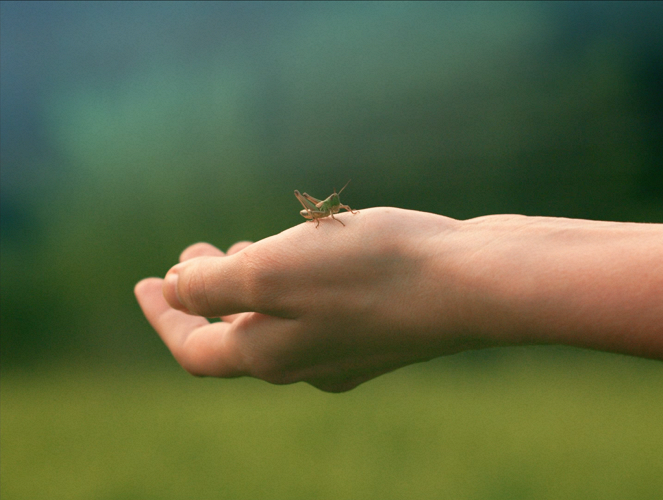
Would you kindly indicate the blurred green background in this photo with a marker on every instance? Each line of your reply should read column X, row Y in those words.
column 130, row 130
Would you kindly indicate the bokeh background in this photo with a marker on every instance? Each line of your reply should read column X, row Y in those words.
column 130, row 130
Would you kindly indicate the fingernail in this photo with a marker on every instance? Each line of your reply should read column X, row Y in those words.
column 170, row 292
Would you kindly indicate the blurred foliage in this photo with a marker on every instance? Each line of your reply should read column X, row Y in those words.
column 132, row 129
column 585, row 427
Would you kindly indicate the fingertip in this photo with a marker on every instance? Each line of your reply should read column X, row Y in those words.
column 208, row 286
column 144, row 285
column 238, row 247
column 200, row 249
column 170, row 292
column 149, row 297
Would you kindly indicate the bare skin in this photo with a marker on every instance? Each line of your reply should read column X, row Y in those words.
column 341, row 305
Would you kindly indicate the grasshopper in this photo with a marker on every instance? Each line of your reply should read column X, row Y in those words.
column 315, row 209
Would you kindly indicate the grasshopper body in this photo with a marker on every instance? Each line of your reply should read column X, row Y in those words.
column 315, row 209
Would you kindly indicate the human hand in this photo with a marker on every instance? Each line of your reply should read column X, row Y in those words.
column 333, row 306
column 337, row 306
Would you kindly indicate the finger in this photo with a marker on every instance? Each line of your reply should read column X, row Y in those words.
column 201, row 249
column 238, row 247
column 206, row 250
column 158, row 312
column 215, row 287
column 196, row 287
column 202, row 348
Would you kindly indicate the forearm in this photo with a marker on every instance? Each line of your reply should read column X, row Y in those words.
column 535, row 280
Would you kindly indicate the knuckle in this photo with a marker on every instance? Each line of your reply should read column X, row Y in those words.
column 194, row 291
column 262, row 280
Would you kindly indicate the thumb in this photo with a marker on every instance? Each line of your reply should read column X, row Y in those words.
column 208, row 286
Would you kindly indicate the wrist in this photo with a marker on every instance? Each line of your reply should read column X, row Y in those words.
column 541, row 280
column 496, row 280
column 450, row 308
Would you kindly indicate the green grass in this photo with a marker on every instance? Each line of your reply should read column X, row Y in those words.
column 527, row 425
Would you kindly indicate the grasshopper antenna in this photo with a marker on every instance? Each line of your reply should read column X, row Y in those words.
column 346, row 185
